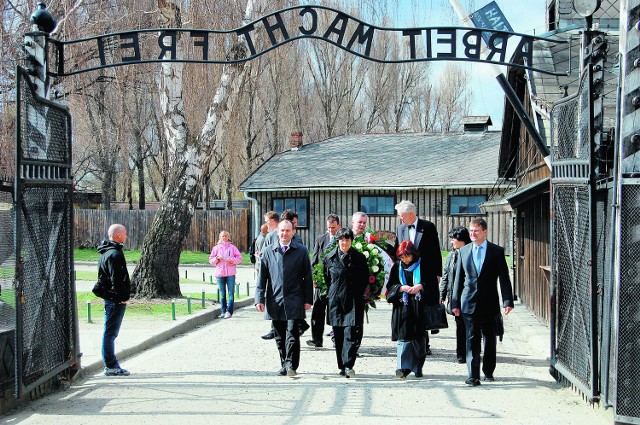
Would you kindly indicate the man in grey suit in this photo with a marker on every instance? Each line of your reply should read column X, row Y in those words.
column 283, row 292
column 475, row 295
column 424, row 236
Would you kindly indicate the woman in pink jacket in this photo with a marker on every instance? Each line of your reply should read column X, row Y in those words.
column 225, row 256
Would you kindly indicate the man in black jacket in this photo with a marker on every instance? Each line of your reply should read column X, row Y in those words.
column 113, row 274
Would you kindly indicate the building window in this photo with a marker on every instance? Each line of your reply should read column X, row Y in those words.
column 378, row 205
column 299, row 205
column 466, row 205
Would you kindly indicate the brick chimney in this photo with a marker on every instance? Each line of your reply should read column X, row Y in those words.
column 296, row 140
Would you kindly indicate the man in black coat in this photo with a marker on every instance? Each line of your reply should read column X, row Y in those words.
column 424, row 236
column 114, row 279
column 347, row 275
column 283, row 292
column 475, row 295
column 320, row 301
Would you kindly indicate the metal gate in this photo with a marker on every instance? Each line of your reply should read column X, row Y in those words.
column 46, row 325
column 573, row 324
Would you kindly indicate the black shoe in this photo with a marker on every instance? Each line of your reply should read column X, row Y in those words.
column 400, row 374
column 473, row 382
column 428, row 352
column 419, row 373
column 488, row 378
column 461, row 360
column 269, row 335
column 349, row 373
column 435, row 331
column 312, row 343
column 282, row 371
column 342, row 372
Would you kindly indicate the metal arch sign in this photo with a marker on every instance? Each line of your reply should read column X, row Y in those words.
column 421, row 44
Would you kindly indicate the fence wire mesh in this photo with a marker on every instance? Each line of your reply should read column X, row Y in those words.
column 571, row 237
column 7, row 293
column 46, row 312
column 628, row 366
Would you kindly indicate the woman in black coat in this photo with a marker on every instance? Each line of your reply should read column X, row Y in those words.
column 346, row 274
column 408, row 296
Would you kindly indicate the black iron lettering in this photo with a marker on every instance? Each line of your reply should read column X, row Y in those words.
column 491, row 44
column 134, row 44
column 314, row 21
column 412, row 40
column 524, row 51
column 362, row 37
column 164, row 48
column 103, row 60
column 272, row 28
column 202, row 42
column 428, row 43
column 472, row 49
column 245, row 31
column 341, row 20
column 450, row 40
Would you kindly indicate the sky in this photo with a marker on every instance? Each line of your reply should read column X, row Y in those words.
column 527, row 17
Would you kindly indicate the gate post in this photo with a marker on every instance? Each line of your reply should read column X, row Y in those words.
column 36, row 46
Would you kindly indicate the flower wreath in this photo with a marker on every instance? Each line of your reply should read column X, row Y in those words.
column 369, row 246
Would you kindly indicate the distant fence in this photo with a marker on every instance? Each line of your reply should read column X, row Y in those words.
column 90, row 227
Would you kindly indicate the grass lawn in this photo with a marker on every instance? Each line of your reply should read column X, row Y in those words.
column 93, row 275
column 133, row 256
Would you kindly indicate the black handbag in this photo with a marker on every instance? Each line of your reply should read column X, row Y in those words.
column 435, row 317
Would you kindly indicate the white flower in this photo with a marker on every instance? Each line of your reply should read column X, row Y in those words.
column 375, row 269
column 370, row 246
column 366, row 254
column 375, row 261
column 358, row 246
column 375, row 251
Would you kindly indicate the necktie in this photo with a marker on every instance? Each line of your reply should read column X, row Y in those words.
column 284, row 248
column 412, row 226
column 478, row 257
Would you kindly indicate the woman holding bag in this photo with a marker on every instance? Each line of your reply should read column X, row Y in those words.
column 407, row 295
column 225, row 256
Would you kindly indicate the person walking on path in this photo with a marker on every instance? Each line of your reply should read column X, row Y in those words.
column 318, row 314
column 347, row 276
column 475, row 295
column 406, row 294
column 114, row 277
column 459, row 237
column 225, row 256
column 284, row 291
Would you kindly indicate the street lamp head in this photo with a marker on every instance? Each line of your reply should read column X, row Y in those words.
column 586, row 8
column 43, row 19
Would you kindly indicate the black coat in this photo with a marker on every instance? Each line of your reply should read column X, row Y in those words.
column 112, row 271
column 428, row 244
column 346, row 285
column 448, row 278
column 407, row 321
column 284, row 283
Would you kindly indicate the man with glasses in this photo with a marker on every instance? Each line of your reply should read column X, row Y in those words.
column 475, row 296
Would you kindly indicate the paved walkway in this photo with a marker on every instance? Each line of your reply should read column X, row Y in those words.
column 222, row 372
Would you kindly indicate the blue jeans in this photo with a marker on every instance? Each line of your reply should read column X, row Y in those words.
column 227, row 285
column 113, row 314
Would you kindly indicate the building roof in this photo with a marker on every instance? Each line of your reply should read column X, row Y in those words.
column 386, row 161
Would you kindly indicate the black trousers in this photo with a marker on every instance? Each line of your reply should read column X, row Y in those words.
column 347, row 340
column 461, row 337
column 318, row 316
column 479, row 326
column 288, row 342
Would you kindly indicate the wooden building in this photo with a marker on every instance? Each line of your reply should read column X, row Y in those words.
column 446, row 175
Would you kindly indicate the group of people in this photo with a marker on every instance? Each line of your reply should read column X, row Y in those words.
column 468, row 285
column 285, row 289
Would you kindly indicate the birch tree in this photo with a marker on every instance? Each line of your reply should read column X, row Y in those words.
column 156, row 274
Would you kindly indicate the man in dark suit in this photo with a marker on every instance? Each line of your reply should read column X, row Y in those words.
column 475, row 295
column 320, row 301
column 424, row 236
column 283, row 292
